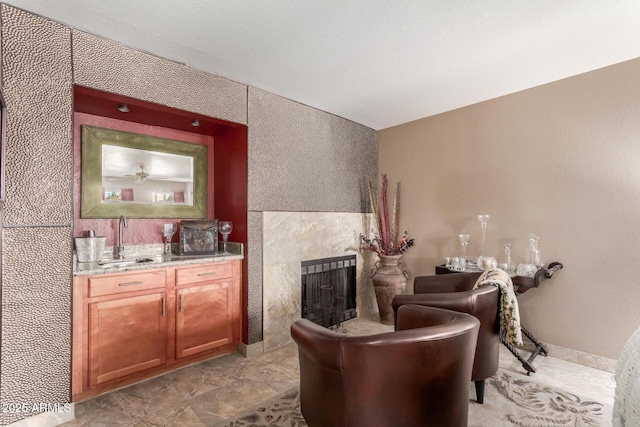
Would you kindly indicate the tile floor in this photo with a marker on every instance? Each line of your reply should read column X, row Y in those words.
column 209, row 392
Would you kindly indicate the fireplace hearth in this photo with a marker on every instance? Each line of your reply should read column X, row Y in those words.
column 329, row 290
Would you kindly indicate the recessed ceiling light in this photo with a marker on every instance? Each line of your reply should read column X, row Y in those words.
column 123, row 108
column 196, row 123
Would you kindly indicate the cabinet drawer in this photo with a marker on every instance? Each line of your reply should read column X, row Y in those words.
column 107, row 285
column 204, row 273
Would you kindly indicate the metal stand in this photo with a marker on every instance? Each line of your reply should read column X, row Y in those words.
column 541, row 274
column 521, row 285
column 526, row 363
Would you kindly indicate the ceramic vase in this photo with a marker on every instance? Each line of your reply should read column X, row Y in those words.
column 389, row 279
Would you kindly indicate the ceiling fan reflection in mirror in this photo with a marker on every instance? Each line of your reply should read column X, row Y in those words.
column 140, row 176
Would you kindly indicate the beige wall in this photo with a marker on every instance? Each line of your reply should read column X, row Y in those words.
column 561, row 160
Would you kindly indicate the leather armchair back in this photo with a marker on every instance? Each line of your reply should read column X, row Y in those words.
column 454, row 282
column 416, row 376
column 454, row 292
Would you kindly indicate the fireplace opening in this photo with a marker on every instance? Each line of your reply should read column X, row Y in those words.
column 329, row 290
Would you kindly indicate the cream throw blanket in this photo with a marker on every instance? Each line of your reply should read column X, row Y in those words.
column 626, row 404
column 509, row 314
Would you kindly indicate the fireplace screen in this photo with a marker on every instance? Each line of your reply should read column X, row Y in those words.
column 329, row 290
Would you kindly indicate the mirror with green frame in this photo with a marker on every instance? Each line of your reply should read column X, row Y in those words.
column 141, row 176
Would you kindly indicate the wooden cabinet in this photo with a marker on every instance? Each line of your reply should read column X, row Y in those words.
column 126, row 335
column 205, row 319
column 207, row 308
column 133, row 325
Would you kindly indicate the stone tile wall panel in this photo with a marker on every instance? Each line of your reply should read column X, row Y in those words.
column 38, row 90
column 254, row 267
column 36, row 317
column 109, row 66
column 306, row 160
column 36, row 266
column 292, row 237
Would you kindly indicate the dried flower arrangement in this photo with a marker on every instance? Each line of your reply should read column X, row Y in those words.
column 385, row 240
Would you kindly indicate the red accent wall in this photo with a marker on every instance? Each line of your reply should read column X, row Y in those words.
column 228, row 166
column 230, row 198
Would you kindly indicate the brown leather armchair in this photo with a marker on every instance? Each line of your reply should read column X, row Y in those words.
column 454, row 292
column 416, row 376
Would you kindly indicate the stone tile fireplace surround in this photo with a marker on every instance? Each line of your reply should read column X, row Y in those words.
column 291, row 237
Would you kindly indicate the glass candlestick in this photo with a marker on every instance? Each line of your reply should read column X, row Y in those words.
column 225, row 229
column 483, row 224
column 464, row 241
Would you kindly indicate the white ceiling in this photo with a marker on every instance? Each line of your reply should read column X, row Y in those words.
column 376, row 62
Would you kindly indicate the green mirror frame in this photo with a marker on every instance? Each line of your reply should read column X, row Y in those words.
column 92, row 205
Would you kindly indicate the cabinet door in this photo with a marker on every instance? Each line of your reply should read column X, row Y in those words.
column 126, row 335
column 204, row 320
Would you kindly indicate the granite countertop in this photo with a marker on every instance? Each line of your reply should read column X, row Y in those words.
column 146, row 257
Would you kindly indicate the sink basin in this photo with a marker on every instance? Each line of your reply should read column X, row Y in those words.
column 123, row 262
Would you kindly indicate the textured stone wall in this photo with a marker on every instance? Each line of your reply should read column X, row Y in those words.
column 38, row 90
column 36, row 318
column 36, row 273
column 306, row 160
column 112, row 67
column 254, row 271
column 300, row 160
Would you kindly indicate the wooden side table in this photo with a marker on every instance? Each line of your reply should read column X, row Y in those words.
column 522, row 284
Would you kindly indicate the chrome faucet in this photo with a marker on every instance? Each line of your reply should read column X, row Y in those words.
column 120, row 248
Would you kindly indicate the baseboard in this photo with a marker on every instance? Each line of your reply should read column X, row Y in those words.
column 582, row 358
column 48, row 419
column 250, row 350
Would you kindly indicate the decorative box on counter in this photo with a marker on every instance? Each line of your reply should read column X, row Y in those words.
column 199, row 237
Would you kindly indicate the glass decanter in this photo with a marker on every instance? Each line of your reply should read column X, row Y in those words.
column 509, row 267
column 532, row 254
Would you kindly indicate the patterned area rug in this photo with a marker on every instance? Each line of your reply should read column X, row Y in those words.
column 508, row 401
